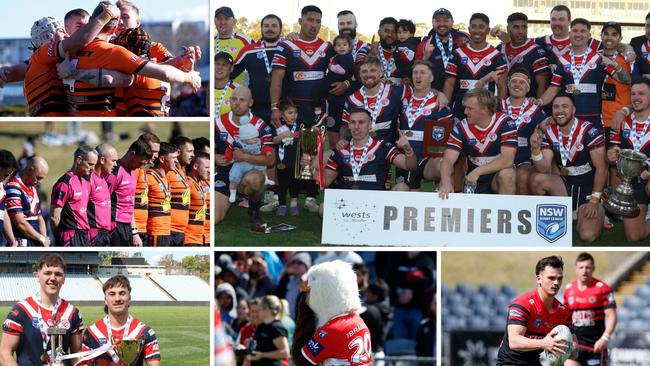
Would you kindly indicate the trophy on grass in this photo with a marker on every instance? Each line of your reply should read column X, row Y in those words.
column 621, row 201
column 54, row 354
column 128, row 350
column 311, row 140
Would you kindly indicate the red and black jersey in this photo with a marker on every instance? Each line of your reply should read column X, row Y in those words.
column 529, row 311
column 343, row 341
column 588, row 310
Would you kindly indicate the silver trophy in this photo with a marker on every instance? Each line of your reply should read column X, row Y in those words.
column 621, row 201
column 54, row 354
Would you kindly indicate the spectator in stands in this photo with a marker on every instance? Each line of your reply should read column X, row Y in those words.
column 287, row 321
column 289, row 287
column 232, row 275
column 226, row 298
column 272, row 345
column 247, row 332
column 242, row 318
column 363, row 276
column 409, row 278
column 261, row 284
column 223, row 354
column 346, row 256
column 425, row 341
column 377, row 316
column 23, row 328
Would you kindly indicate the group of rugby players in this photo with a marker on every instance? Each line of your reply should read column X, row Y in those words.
column 542, row 116
column 100, row 64
column 156, row 194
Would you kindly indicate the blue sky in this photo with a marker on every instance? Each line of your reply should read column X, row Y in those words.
column 152, row 257
column 17, row 18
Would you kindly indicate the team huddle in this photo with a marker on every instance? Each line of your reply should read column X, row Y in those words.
column 156, row 194
column 100, row 64
column 532, row 116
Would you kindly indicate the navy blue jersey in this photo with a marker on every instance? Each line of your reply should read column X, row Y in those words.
column 412, row 118
column 590, row 84
column 643, row 63
column 385, row 113
column 97, row 335
column 529, row 56
column 23, row 321
column 257, row 59
column 286, row 150
column 468, row 66
column 439, row 61
column 359, row 50
column 374, row 170
column 341, row 68
column 482, row 146
column 404, row 56
column 23, row 199
column 637, row 141
column 305, row 63
column 526, row 124
column 556, row 48
column 579, row 167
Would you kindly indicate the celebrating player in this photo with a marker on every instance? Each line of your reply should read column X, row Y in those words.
column 25, row 332
column 593, row 310
column 533, row 315
column 70, row 197
column 119, row 326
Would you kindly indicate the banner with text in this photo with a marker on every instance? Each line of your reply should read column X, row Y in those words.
column 358, row 217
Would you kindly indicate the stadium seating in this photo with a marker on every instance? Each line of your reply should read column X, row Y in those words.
column 14, row 287
column 184, row 288
column 142, row 289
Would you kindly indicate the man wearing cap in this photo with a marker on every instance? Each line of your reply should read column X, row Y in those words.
column 227, row 133
column 227, row 40
column 582, row 72
column 256, row 59
column 519, row 51
column 438, row 47
column 290, row 290
column 223, row 86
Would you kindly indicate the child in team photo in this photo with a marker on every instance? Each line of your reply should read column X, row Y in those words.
column 286, row 137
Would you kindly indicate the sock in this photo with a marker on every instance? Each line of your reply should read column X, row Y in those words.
column 233, row 195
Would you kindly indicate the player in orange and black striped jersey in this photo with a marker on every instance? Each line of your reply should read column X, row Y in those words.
column 199, row 170
column 159, row 220
column 202, row 144
column 141, row 209
column 180, row 186
column 43, row 89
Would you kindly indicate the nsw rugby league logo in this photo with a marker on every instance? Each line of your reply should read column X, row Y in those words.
column 552, row 221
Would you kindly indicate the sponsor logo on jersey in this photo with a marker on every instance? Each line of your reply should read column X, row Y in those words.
column 538, row 322
column 223, row 136
column 314, row 347
column 322, row 334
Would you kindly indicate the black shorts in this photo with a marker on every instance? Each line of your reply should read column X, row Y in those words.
column 159, row 241
column 580, row 194
column 80, row 238
column 177, row 239
column 222, row 180
column 413, row 178
column 3, row 239
column 121, row 235
column 484, row 184
column 587, row 357
column 639, row 192
column 144, row 237
column 102, row 239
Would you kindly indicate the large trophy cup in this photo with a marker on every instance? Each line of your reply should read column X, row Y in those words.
column 128, row 350
column 621, row 201
column 309, row 145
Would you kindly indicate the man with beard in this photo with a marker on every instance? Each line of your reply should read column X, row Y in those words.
column 256, row 59
column 438, row 47
column 347, row 23
column 226, row 39
column 635, row 134
column 522, row 52
column 475, row 65
column 382, row 99
column 615, row 94
column 527, row 115
column 227, row 134
column 304, row 61
column 641, row 44
column 582, row 71
column 198, row 170
column 385, row 50
column 577, row 148
column 489, row 139
column 421, row 106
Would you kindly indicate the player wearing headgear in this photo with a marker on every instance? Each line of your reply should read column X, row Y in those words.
column 70, row 197
column 43, row 89
column 532, row 317
column 577, row 148
column 25, row 329
column 8, row 165
column 99, row 205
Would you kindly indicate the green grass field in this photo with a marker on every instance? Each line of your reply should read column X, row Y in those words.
column 59, row 158
column 234, row 230
column 183, row 332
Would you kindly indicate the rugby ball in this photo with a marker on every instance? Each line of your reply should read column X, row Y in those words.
column 548, row 358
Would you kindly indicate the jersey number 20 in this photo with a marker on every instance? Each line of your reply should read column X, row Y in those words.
column 361, row 349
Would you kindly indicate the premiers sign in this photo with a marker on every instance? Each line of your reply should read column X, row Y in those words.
column 419, row 218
